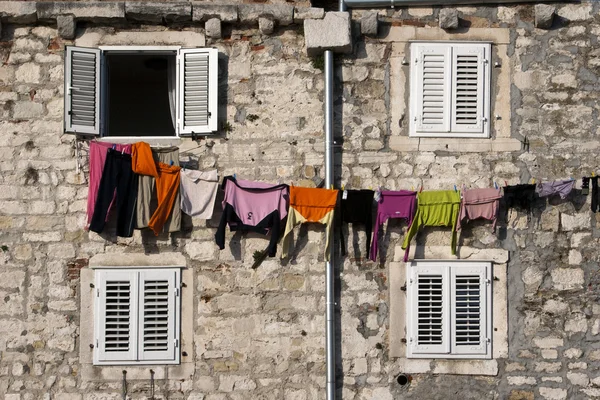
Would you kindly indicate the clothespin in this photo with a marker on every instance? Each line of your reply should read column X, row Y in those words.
column 234, row 176
column 114, row 146
column 496, row 184
column 505, row 183
column 533, row 181
column 593, row 174
column 331, row 186
column 421, row 189
column 412, row 187
column 171, row 163
column 343, row 187
column 123, row 151
column 455, row 188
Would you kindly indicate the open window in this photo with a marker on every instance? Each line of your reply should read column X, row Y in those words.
column 137, row 316
column 140, row 92
column 449, row 309
column 450, row 89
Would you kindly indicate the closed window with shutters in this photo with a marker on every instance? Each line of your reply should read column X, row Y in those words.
column 137, row 316
column 133, row 92
column 450, row 89
column 449, row 310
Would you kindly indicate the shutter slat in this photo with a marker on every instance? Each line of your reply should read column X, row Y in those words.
column 82, row 90
column 156, row 317
column 117, row 317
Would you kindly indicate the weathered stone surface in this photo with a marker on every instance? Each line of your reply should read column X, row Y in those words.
column 448, row 18
column 152, row 12
column 203, row 12
column 212, row 28
column 266, row 25
column 369, row 24
column 330, row 33
column 84, row 11
column 303, row 13
column 282, row 13
column 19, row 12
column 544, row 15
column 66, row 26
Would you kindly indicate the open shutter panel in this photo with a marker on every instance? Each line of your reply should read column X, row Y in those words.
column 159, row 308
column 468, row 88
column 469, row 287
column 432, row 85
column 198, row 87
column 116, row 324
column 82, row 90
column 429, row 307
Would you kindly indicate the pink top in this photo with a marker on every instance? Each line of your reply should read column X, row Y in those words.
column 257, row 204
column 479, row 203
column 97, row 159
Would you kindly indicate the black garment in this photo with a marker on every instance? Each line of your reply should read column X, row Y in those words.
column 520, row 197
column 270, row 223
column 357, row 207
column 595, row 205
column 116, row 175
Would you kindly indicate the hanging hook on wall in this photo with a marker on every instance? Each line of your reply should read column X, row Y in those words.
column 124, row 385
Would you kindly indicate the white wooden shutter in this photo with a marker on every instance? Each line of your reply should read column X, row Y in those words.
column 82, row 90
column 470, row 309
column 116, row 317
column 470, row 104
column 430, row 91
column 198, row 88
column 429, row 321
column 159, row 315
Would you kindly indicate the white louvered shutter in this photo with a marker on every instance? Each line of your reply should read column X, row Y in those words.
column 471, row 302
column 116, row 324
column 428, row 309
column 469, row 90
column 158, row 316
column 431, row 85
column 198, row 88
column 82, row 90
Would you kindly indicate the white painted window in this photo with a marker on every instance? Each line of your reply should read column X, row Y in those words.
column 449, row 309
column 137, row 316
column 450, row 89
column 133, row 92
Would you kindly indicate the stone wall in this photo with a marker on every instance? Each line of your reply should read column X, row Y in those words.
column 259, row 333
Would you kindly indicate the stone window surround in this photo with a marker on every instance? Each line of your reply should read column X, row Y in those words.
column 397, row 301
column 90, row 372
column 500, row 130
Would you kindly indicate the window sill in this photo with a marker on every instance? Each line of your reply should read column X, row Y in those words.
column 161, row 141
column 459, row 145
column 453, row 367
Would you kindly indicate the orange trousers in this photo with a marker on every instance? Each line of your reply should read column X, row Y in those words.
column 167, row 185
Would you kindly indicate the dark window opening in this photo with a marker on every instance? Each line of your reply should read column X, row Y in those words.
column 140, row 95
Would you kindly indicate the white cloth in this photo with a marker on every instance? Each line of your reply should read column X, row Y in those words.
column 198, row 192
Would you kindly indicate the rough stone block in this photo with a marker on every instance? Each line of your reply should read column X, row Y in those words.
column 266, row 25
column 448, row 18
column 66, row 26
column 203, row 12
column 282, row 13
column 84, row 11
column 158, row 12
column 19, row 12
column 329, row 33
column 369, row 24
column 544, row 15
column 212, row 27
column 303, row 13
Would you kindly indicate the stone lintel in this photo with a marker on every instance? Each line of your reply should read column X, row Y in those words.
column 82, row 11
column 203, row 12
column 158, row 12
column 18, row 12
column 282, row 13
column 330, row 33
column 303, row 13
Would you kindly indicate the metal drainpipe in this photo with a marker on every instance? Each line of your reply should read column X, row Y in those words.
column 329, row 267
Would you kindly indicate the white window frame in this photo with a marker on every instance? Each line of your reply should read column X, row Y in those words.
column 449, row 128
column 136, row 354
column 448, row 270
column 99, row 130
